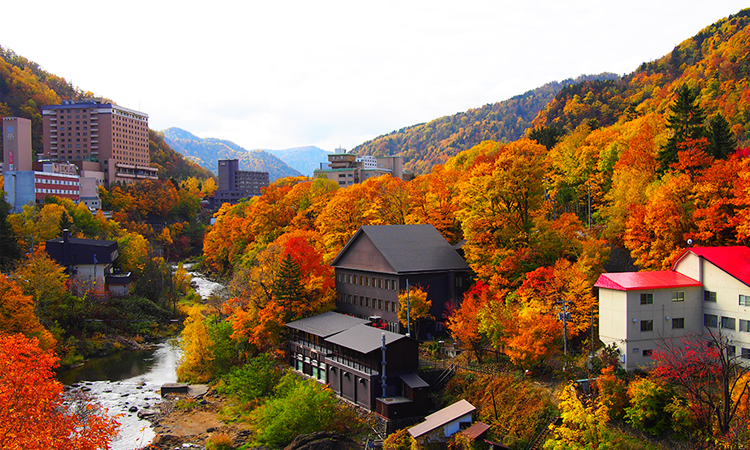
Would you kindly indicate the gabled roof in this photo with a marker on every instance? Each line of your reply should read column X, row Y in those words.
column 733, row 260
column 364, row 338
column 326, row 324
column 634, row 281
column 409, row 248
column 442, row 417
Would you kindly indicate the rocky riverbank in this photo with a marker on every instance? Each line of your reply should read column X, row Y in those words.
column 188, row 421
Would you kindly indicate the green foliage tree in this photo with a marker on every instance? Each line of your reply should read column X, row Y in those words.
column 686, row 121
column 547, row 136
column 287, row 289
column 299, row 407
column 9, row 250
column 254, row 380
column 721, row 140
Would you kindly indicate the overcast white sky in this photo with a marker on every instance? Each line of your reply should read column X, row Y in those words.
column 280, row 74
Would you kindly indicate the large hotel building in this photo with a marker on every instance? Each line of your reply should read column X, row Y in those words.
column 104, row 140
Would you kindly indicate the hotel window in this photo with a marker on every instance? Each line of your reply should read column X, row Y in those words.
column 711, row 320
column 728, row 323
column 647, row 325
column 380, row 304
column 380, row 283
column 709, row 296
column 746, row 353
column 731, row 351
column 647, row 353
column 678, row 323
column 394, row 306
column 349, row 279
column 387, row 305
column 744, row 300
column 348, row 298
column 388, row 284
column 678, row 296
column 745, row 325
column 647, row 299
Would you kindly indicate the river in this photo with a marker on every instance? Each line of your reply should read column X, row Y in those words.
column 132, row 379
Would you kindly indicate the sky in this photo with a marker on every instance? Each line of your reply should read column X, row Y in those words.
column 282, row 74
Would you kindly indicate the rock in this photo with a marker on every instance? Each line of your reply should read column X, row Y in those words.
column 133, row 409
column 323, row 440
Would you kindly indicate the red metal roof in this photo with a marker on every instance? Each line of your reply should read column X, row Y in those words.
column 634, row 281
column 733, row 260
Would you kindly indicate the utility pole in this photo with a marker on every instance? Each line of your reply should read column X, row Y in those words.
column 408, row 312
column 564, row 316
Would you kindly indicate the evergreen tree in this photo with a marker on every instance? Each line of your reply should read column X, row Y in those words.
column 686, row 122
column 721, row 140
column 547, row 136
column 288, row 290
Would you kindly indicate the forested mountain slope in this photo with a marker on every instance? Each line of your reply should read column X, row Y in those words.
column 427, row 144
column 207, row 152
column 25, row 88
column 716, row 61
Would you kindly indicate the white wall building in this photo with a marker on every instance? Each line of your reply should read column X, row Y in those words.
column 706, row 287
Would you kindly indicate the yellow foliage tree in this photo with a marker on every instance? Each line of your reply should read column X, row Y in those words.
column 196, row 362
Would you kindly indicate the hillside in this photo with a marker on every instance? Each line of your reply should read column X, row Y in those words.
column 425, row 145
column 25, row 88
column 207, row 152
column 716, row 61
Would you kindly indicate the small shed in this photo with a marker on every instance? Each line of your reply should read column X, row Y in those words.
column 440, row 425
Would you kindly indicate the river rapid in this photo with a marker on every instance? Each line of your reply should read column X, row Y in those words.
column 129, row 381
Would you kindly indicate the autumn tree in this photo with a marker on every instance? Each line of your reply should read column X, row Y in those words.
column 463, row 324
column 708, row 371
column 498, row 204
column 17, row 314
column 46, row 282
column 413, row 307
column 196, row 361
column 34, row 415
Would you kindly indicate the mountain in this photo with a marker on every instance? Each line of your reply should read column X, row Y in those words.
column 207, row 152
column 425, row 145
column 302, row 159
column 716, row 61
column 25, row 87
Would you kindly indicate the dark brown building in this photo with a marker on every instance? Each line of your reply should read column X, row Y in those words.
column 347, row 354
column 378, row 261
column 236, row 184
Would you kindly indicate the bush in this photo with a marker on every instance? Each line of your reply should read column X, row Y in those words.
column 219, row 441
column 254, row 380
column 300, row 407
column 648, row 400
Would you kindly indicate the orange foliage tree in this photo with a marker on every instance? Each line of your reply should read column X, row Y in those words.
column 17, row 314
column 33, row 415
column 463, row 324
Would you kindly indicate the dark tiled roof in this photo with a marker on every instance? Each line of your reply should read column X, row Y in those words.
column 442, row 417
column 364, row 338
column 411, row 248
column 413, row 380
column 82, row 251
column 326, row 324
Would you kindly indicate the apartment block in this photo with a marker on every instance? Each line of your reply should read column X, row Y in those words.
column 98, row 136
column 236, row 184
column 707, row 289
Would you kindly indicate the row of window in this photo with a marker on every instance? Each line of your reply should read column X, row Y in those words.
column 727, row 323
column 55, row 181
column 648, row 298
column 678, row 323
column 679, row 296
column 374, row 303
column 382, row 283
column 55, row 191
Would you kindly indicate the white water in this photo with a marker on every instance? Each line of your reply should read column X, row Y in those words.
column 143, row 390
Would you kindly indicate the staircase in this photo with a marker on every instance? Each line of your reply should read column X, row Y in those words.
column 539, row 441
